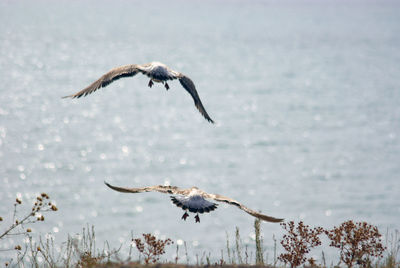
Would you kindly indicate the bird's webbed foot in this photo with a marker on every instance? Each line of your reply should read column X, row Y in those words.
column 185, row 216
column 197, row 218
column 166, row 85
column 151, row 83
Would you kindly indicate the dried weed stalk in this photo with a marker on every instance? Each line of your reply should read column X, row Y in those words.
column 19, row 224
column 42, row 204
column 238, row 246
column 393, row 249
column 259, row 249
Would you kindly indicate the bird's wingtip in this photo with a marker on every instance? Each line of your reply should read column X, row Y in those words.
column 276, row 220
column 269, row 218
column 73, row 96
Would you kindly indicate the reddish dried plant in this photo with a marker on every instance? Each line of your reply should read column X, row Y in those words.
column 298, row 242
column 357, row 242
column 151, row 248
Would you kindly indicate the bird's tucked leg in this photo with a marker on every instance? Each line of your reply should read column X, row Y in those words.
column 185, row 216
column 197, row 218
column 166, row 85
column 150, row 83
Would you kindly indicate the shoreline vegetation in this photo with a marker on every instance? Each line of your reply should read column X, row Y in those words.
column 358, row 244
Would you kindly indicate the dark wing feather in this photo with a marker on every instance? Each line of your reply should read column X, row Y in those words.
column 191, row 88
column 106, row 79
column 231, row 201
column 158, row 188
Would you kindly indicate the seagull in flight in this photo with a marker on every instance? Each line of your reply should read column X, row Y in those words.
column 194, row 200
column 156, row 71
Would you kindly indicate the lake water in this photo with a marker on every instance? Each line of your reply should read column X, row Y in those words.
column 305, row 95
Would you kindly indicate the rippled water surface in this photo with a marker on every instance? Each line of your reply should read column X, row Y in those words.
column 305, row 95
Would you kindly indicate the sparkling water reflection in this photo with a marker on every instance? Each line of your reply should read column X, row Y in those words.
column 306, row 99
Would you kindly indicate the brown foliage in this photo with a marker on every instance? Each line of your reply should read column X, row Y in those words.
column 88, row 260
column 357, row 242
column 298, row 242
column 151, row 248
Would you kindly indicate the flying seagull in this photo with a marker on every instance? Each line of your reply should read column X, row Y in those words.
column 194, row 200
column 156, row 71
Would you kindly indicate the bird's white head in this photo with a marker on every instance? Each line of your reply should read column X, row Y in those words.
column 194, row 191
column 157, row 63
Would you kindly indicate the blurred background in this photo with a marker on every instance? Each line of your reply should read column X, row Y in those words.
column 305, row 96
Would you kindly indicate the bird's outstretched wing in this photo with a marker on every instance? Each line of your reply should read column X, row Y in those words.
column 188, row 84
column 107, row 78
column 194, row 204
column 157, row 188
column 231, row 201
